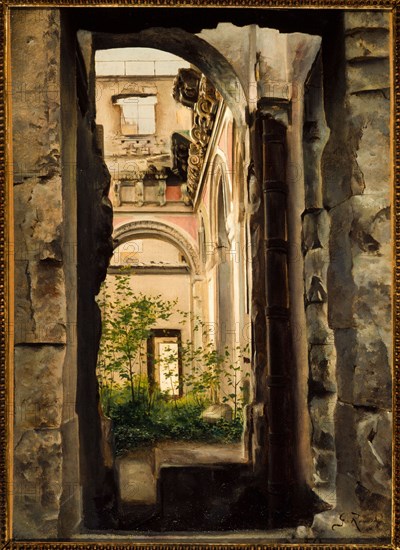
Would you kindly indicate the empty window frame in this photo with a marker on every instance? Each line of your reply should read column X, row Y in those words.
column 138, row 115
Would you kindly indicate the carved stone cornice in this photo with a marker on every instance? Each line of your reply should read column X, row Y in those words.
column 277, row 108
column 205, row 108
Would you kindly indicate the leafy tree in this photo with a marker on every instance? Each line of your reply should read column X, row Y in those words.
column 127, row 322
column 142, row 414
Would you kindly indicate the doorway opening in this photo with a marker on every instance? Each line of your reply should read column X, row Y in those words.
column 164, row 361
column 174, row 360
column 194, row 194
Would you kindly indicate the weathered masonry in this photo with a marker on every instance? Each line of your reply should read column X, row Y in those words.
column 309, row 95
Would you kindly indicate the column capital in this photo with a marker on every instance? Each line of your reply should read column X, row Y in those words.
column 278, row 108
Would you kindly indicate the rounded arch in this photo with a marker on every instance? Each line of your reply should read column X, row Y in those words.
column 220, row 184
column 160, row 230
column 191, row 48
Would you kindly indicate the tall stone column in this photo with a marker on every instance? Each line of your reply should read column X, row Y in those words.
column 278, row 337
column 270, row 421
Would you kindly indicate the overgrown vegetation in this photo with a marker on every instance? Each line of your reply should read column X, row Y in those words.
column 142, row 414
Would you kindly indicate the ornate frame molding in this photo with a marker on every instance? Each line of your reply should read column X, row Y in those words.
column 6, row 263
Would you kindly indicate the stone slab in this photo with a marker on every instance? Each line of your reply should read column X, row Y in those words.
column 37, row 484
column 374, row 437
column 38, row 386
column 370, row 75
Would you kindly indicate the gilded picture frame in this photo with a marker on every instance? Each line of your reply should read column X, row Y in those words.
column 7, row 277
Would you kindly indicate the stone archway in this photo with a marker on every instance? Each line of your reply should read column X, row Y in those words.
column 193, row 49
column 162, row 231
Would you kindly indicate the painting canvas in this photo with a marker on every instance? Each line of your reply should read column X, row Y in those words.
column 199, row 274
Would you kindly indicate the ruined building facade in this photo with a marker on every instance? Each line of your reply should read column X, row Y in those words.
column 297, row 106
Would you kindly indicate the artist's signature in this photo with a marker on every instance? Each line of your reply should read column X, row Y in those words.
column 347, row 517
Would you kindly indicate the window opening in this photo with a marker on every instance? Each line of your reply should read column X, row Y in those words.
column 137, row 115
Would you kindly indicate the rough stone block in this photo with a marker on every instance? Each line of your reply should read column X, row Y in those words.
column 322, row 360
column 372, row 375
column 316, row 293
column 363, row 19
column 372, row 272
column 136, row 477
column 213, row 413
column 35, row 35
column 316, row 226
column 370, row 226
column 40, row 304
column 38, row 386
column 324, row 466
column 367, row 43
column 315, row 137
column 370, row 128
column 318, row 331
column 316, row 264
column 322, row 410
column 374, row 437
column 360, row 263
column 363, row 370
column 37, row 484
column 363, row 76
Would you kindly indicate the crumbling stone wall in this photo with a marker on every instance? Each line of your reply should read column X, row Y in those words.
column 315, row 243
column 356, row 185
column 44, row 280
column 57, row 457
column 95, row 248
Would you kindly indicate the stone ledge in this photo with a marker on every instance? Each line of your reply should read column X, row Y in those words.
column 371, row 74
column 367, row 44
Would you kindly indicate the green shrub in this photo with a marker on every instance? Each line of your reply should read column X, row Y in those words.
column 135, row 425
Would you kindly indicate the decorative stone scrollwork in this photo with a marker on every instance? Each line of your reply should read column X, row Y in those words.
column 194, row 90
column 205, row 110
column 186, row 87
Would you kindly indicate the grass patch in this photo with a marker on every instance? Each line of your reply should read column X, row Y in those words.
column 136, row 424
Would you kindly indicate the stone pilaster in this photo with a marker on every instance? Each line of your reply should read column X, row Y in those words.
column 41, row 319
column 315, row 245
